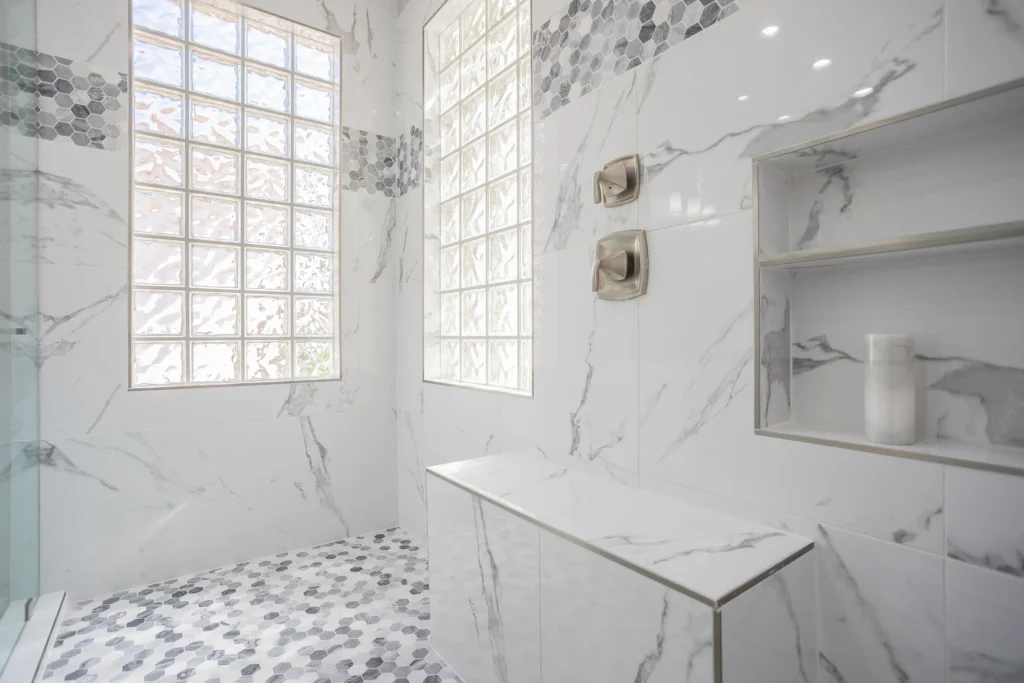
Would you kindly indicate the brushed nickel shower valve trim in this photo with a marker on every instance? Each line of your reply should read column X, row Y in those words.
column 619, row 182
column 621, row 266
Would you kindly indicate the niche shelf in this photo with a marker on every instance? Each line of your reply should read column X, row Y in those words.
column 910, row 225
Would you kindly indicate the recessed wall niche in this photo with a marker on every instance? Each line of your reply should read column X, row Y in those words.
column 912, row 225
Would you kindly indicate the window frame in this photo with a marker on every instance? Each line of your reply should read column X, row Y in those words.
column 442, row 19
column 241, row 292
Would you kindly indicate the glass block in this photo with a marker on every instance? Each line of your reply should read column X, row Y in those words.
column 158, row 15
column 159, row 61
column 266, row 224
column 525, row 83
column 314, row 101
column 450, row 360
column 314, row 359
column 215, row 315
column 267, row 179
column 474, row 169
column 266, row 316
column 474, row 263
column 526, row 137
column 474, row 116
column 313, row 229
column 156, row 364
column 449, row 180
column 474, row 313
column 449, row 133
column 313, row 186
column 159, row 111
column 501, row 98
column 450, row 46
column 313, row 273
column 267, row 360
column 526, row 309
column 474, row 213
column 214, row 170
column 526, row 365
column 214, row 266
column 157, row 313
column 314, row 58
column 214, row 218
column 502, row 46
column 503, row 363
column 474, row 22
column 314, row 317
column 502, row 155
column 266, row 44
column 156, row 212
column 218, row 124
column 314, row 144
column 449, row 88
column 502, row 203
column 450, row 222
column 503, row 256
column 450, row 268
column 499, row 8
column 266, row 269
column 525, row 252
column 525, row 29
column 158, row 162
column 502, row 310
column 213, row 74
column 525, row 194
column 450, row 314
column 474, row 68
column 214, row 362
column 267, row 88
column 157, row 263
column 474, row 361
column 215, row 28
column 266, row 133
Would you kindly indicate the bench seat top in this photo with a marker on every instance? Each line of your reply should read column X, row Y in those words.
column 705, row 554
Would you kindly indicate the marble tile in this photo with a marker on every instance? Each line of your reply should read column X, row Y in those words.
column 880, row 605
column 704, row 552
column 568, row 149
column 586, row 599
column 986, row 625
column 769, row 632
column 414, row 456
column 979, row 531
column 985, row 43
column 696, row 159
column 485, row 587
column 95, row 32
column 356, row 609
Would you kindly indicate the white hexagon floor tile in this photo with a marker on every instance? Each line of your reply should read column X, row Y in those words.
column 346, row 612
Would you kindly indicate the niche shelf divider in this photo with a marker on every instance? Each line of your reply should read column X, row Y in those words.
column 909, row 225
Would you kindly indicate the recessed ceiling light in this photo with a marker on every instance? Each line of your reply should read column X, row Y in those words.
column 863, row 92
column 785, row 117
column 769, row 31
column 743, row 98
column 821, row 64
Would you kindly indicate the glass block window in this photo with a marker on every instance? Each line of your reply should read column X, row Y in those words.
column 478, row 131
column 235, row 196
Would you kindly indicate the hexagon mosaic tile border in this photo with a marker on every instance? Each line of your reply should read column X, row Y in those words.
column 58, row 99
column 594, row 41
column 346, row 612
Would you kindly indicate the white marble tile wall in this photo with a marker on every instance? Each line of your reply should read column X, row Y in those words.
column 142, row 486
column 675, row 369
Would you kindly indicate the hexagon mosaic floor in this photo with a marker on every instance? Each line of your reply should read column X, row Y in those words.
column 346, row 612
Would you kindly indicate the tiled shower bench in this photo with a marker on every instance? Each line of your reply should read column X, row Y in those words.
column 541, row 573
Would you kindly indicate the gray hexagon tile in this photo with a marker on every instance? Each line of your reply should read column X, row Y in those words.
column 368, row 162
column 58, row 99
column 410, row 160
column 593, row 41
column 347, row 612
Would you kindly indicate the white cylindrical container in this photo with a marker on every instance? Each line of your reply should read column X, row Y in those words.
column 890, row 390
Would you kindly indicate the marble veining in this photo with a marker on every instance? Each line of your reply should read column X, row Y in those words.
column 709, row 555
